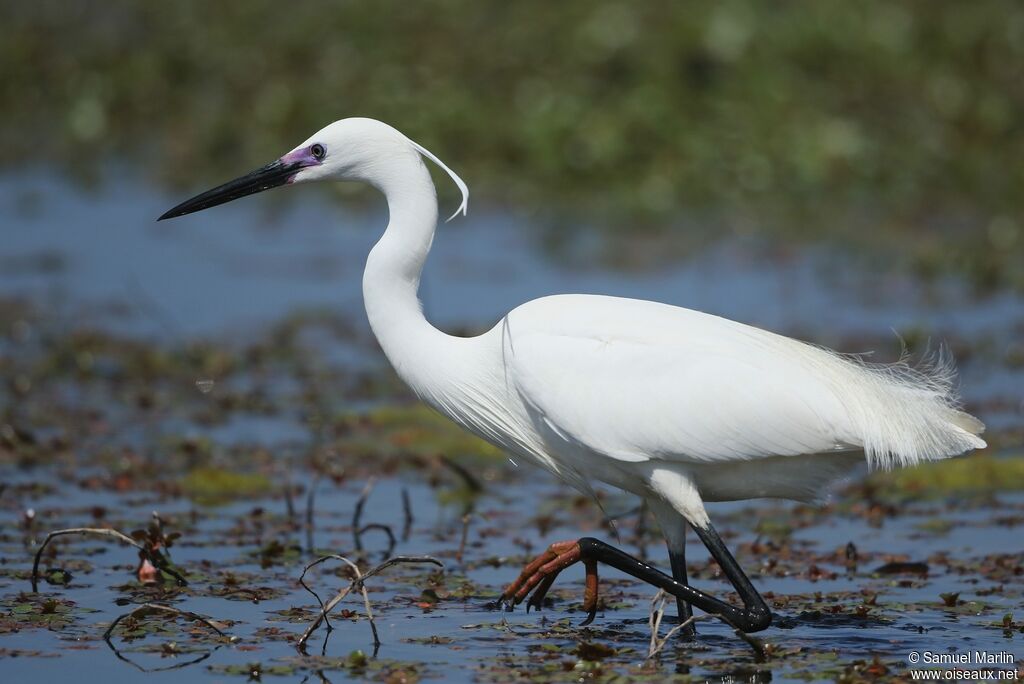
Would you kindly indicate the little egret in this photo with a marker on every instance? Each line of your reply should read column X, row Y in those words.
column 676, row 406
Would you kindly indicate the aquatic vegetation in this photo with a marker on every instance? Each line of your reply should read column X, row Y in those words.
column 211, row 485
column 411, row 430
column 980, row 474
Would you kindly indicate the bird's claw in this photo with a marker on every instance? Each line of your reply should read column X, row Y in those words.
column 500, row 603
column 590, row 592
column 540, row 574
column 538, row 596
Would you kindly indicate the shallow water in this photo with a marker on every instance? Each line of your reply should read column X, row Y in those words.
column 245, row 265
column 111, row 319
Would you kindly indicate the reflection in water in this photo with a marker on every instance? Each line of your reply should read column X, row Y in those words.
column 148, row 609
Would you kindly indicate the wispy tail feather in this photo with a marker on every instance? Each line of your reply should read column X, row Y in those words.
column 906, row 414
column 968, row 423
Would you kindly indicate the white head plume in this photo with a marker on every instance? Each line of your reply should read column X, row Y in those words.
column 463, row 188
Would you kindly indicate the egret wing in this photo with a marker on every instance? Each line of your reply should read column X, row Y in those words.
column 668, row 383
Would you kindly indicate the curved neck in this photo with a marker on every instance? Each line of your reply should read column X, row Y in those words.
column 393, row 269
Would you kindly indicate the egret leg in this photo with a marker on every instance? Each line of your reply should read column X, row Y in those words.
column 754, row 616
column 756, row 612
column 677, row 560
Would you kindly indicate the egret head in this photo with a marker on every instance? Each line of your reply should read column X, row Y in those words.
column 350, row 149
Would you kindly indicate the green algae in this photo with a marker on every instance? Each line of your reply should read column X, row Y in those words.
column 978, row 474
column 212, row 486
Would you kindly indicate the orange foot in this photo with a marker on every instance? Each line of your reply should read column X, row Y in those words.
column 542, row 572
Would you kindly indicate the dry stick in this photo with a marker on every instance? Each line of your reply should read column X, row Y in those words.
column 360, row 580
column 147, row 608
column 654, row 620
column 318, row 561
column 157, row 560
column 407, row 511
column 357, row 514
column 658, row 611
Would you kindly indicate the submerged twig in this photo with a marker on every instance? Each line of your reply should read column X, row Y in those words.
column 319, row 675
column 464, row 538
column 467, row 477
column 157, row 559
column 311, row 500
column 311, row 510
column 757, row 645
column 386, row 529
column 357, row 512
column 407, row 514
column 360, row 582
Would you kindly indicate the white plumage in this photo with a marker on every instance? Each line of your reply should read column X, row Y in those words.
column 616, row 389
column 676, row 406
column 635, row 393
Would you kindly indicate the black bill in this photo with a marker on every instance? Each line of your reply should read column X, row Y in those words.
column 270, row 176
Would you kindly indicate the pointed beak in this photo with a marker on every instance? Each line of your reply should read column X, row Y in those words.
column 272, row 175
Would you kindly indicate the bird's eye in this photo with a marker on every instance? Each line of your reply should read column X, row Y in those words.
column 318, row 151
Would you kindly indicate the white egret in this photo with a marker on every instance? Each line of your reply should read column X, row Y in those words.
column 676, row 406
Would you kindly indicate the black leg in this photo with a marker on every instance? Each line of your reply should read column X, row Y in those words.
column 753, row 617
column 677, row 559
column 756, row 608
column 540, row 573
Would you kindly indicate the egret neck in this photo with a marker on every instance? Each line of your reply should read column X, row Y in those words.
column 421, row 354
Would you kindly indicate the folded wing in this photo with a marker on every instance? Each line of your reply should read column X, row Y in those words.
column 636, row 380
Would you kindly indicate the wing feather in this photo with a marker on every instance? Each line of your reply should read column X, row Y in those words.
column 636, row 380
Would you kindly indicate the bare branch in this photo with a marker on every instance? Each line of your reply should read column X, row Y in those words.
column 323, row 609
column 360, row 582
column 658, row 611
column 654, row 620
column 156, row 559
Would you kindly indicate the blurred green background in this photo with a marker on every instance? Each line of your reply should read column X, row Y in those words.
column 893, row 127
